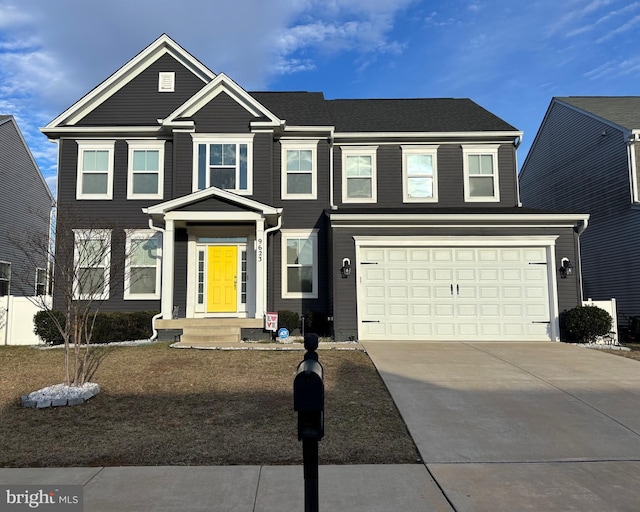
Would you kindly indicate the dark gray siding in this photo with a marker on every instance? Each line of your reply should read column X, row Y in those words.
column 222, row 115
column 572, row 166
column 345, row 291
column 139, row 103
column 25, row 205
column 450, row 177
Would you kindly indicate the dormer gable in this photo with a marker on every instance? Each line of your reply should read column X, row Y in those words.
column 219, row 85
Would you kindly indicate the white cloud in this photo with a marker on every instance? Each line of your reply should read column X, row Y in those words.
column 624, row 28
column 600, row 21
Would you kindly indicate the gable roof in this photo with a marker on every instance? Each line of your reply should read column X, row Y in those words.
column 161, row 46
column 623, row 111
column 297, row 108
column 10, row 119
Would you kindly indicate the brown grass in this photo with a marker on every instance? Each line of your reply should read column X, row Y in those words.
column 633, row 354
column 163, row 406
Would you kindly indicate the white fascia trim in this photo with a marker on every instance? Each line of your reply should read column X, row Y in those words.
column 161, row 46
column 222, row 83
column 434, row 135
column 458, row 241
column 94, row 130
column 206, row 193
column 565, row 219
column 213, row 216
column 329, row 129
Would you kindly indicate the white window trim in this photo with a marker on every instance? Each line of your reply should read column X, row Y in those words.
column 290, row 145
column 360, row 151
column 420, row 150
column 149, row 145
column 142, row 234
column 92, row 234
column 98, row 145
column 286, row 235
column 481, row 149
column 224, row 138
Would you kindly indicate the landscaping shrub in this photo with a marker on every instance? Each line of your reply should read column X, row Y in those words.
column 289, row 319
column 45, row 328
column 586, row 323
column 316, row 321
column 108, row 327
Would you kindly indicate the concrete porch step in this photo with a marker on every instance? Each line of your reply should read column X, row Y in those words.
column 207, row 340
column 182, row 323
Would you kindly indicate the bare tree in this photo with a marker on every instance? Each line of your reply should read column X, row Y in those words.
column 86, row 260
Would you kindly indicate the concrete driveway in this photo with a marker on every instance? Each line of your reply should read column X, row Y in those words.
column 520, row 426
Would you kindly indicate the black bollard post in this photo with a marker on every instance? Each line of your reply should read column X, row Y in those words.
column 308, row 401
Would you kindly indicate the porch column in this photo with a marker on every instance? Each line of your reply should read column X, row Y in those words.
column 168, row 244
column 261, row 269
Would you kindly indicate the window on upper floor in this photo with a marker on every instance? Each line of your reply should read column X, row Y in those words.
column 299, row 169
column 419, row 174
column 481, row 173
column 142, row 269
column 92, row 258
column 145, row 169
column 223, row 161
column 5, row 278
column 300, row 264
column 41, row 281
column 95, row 170
column 359, row 174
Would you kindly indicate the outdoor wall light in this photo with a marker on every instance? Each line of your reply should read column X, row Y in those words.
column 346, row 268
column 566, row 268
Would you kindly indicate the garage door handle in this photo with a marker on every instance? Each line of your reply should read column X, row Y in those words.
column 371, row 321
column 458, row 289
column 536, row 322
column 452, row 289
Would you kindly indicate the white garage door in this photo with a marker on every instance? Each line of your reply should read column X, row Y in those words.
column 454, row 293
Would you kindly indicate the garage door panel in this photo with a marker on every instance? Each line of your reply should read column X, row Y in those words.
column 454, row 293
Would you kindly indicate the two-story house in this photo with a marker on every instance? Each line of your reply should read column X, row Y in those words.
column 397, row 218
column 585, row 158
column 25, row 218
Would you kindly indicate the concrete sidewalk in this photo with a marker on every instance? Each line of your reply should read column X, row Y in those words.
column 364, row 488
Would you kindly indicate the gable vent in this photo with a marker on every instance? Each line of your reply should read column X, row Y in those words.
column 167, row 81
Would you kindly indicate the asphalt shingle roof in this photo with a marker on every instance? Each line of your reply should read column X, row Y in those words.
column 621, row 110
column 382, row 115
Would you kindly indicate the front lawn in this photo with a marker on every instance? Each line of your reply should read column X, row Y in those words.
column 633, row 354
column 163, row 406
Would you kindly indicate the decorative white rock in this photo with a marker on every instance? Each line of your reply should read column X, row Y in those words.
column 60, row 395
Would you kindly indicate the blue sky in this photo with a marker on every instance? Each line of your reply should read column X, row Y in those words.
column 510, row 57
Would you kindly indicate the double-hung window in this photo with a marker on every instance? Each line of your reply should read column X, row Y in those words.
column 95, row 170
column 5, row 278
column 300, row 264
column 481, row 173
column 224, row 161
column 359, row 174
column 143, row 259
column 41, row 281
column 145, row 169
column 92, row 259
column 299, row 169
column 419, row 174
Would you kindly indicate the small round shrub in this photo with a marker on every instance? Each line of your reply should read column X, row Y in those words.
column 586, row 323
column 289, row 319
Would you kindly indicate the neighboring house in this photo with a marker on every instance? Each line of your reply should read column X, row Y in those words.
column 25, row 207
column 585, row 158
column 397, row 219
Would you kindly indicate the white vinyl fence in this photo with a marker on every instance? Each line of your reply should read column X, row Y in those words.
column 610, row 307
column 16, row 320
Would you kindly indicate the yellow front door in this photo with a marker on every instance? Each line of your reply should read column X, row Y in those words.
column 222, row 274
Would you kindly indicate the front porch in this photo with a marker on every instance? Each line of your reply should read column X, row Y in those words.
column 207, row 332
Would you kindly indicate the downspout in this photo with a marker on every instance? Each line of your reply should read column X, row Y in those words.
column 516, row 145
column 581, row 227
column 267, row 232
column 154, row 334
column 331, row 138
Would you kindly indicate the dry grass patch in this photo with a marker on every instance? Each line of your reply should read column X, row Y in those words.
column 633, row 354
column 161, row 406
